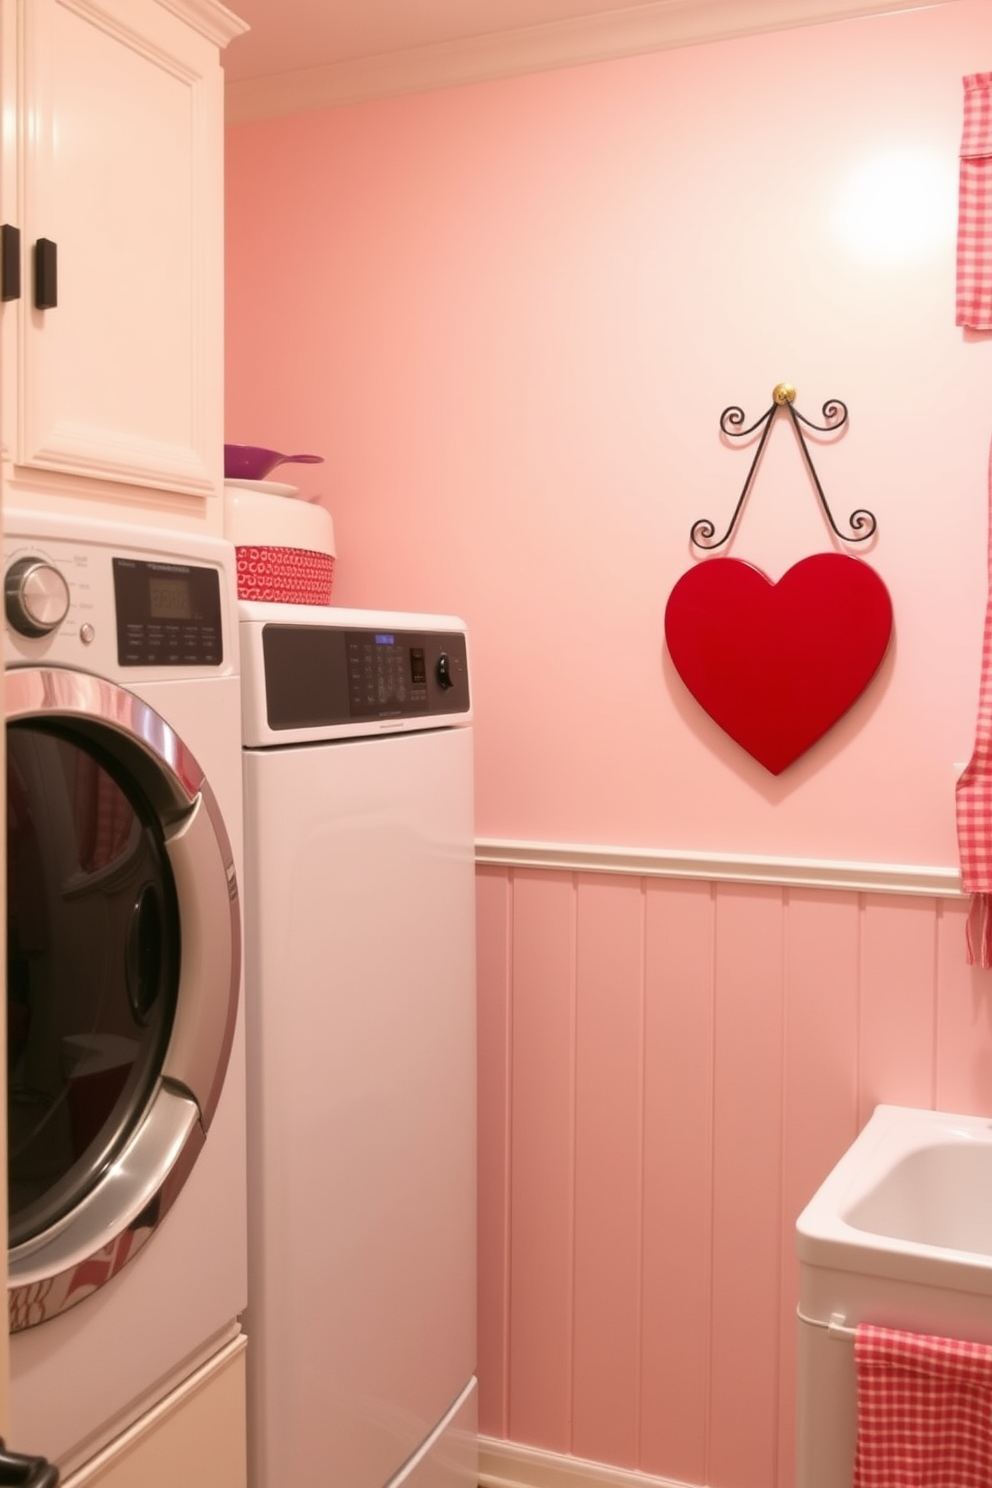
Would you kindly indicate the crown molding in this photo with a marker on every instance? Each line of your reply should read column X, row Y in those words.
column 209, row 17
column 657, row 26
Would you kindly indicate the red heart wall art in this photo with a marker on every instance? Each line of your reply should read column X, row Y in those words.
column 776, row 665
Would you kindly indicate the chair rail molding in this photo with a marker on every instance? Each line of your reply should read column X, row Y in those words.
column 799, row 873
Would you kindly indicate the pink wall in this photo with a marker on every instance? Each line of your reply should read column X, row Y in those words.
column 668, row 1070
column 510, row 315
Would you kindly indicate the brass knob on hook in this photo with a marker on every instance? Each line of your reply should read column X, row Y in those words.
column 784, row 393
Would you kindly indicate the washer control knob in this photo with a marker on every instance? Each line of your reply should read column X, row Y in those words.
column 36, row 597
column 443, row 672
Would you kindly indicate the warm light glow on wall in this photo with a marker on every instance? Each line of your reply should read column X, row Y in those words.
column 899, row 206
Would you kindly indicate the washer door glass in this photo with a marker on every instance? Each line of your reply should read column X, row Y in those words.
column 92, row 970
column 123, row 976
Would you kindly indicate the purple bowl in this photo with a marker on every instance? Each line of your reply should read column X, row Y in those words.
column 251, row 462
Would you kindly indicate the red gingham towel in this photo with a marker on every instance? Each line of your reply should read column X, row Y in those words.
column 974, row 801
column 974, row 268
column 974, row 309
column 924, row 1411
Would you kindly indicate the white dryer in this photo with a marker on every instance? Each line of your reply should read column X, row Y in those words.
column 360, row 992
column 126, row 1105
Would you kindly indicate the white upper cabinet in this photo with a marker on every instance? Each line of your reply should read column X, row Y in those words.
column 113, row 174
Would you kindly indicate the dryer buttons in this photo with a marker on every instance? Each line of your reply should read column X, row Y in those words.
column 36, row 597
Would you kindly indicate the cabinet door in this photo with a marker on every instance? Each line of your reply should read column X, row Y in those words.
column 118, row 163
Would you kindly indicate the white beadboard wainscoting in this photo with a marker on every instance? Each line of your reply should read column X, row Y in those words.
column 673, row 1052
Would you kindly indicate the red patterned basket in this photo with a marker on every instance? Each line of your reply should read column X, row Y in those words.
column 285, row 575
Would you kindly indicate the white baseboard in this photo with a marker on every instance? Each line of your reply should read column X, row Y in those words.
column 504, row 1464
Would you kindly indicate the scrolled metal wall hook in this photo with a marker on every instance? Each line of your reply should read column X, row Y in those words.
column 862, row 523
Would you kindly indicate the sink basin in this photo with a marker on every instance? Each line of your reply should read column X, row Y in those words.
column 939, row 1195
column 911, row 1198
column 899, row 1233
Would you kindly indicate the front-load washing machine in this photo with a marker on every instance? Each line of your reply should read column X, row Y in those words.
column 126, row 1091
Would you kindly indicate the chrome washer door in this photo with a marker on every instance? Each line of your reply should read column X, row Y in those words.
column 124, row 969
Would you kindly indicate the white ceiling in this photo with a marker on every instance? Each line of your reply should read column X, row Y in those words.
column 311, row 54
column 290, row 35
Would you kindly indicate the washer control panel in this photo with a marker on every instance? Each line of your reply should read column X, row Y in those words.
column 90, row 594
column 36, row 596
column 168, row 614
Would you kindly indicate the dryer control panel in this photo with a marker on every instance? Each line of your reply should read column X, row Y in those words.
column 323, row 676
column 311, row 673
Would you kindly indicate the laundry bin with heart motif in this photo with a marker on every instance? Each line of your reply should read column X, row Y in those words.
column 284, row 546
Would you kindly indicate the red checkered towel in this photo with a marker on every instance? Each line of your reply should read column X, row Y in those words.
column 924, row 1411
column 974, row 801
column 974, row 309
column 974, row 269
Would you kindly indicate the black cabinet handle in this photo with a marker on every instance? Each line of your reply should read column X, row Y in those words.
column 46, row 274
column 10, row 262
column 17, row 1471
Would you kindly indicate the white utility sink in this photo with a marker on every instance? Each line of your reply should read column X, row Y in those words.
column 938, row 1196
column 910, row 1198
column 899, row 1233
